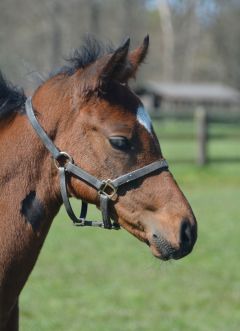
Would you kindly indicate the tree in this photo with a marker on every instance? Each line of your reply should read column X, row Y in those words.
column 168, row 39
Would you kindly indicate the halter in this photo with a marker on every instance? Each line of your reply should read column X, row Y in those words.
column 107, row 189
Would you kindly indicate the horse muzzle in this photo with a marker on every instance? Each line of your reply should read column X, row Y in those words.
column 165, row 249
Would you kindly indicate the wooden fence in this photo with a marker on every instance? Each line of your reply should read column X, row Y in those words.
column 204, row 103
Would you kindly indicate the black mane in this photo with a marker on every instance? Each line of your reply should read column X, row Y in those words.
column 91, row 50
column 12, row 98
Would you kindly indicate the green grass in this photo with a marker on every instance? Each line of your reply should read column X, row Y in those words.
column 93, row 279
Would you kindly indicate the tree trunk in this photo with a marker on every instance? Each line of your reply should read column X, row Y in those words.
column 168, row 40
column 95, row 17
column 56, row 34
column 192, row 41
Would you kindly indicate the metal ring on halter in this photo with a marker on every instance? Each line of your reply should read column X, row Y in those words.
column 108, row 189
column 61, row 163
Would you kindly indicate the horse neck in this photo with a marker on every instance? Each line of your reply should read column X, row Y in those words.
column 27, row 167
column 30, row 198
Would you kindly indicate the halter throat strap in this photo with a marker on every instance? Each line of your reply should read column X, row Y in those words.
column 107, row 189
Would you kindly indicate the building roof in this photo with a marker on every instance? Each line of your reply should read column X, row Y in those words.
column 194, row 93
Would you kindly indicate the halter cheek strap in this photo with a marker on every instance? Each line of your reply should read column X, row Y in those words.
column 107, row 189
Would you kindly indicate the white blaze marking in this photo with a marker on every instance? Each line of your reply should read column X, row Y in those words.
column 144, row 119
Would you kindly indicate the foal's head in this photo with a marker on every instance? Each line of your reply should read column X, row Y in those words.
column 103, row 125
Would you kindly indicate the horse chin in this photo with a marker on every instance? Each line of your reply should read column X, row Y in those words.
column 139, row 233
column 161, row 255
column 163, row 250
column 159, row 246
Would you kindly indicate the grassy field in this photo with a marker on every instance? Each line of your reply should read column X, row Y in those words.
column 99, row 280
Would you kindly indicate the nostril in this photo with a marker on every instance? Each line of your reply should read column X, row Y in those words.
column 155, row 236
column 185, row 235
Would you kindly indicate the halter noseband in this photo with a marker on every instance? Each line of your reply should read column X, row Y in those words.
column 107, row 189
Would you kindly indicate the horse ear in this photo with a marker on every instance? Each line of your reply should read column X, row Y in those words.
column 136, row 57
column 122, row 67
column 108, row 67
column 114, row 63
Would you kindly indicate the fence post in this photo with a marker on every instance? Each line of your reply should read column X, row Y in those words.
column 202, row 135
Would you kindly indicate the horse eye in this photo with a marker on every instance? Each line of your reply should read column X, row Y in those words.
column 121, row 143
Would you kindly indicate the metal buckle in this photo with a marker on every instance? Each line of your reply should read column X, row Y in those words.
column 62, row 160
column 107, row 188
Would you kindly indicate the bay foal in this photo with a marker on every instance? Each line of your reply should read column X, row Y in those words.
column 88, row 110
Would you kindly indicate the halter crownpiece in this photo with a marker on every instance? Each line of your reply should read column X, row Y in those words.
column 107, row 189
